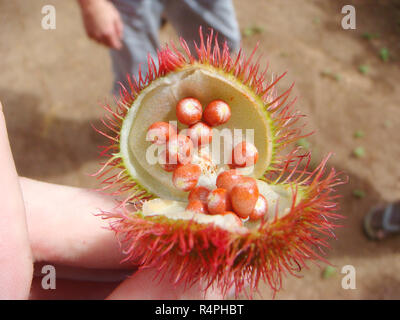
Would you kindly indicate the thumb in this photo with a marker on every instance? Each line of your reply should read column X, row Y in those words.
column 143, row 285
column 16, row 261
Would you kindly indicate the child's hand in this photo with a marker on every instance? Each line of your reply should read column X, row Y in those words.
column 102, row 22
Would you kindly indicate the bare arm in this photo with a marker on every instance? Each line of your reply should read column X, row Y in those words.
column 102, row 22
column 53, row 223
column 15, row 258
column 64, row 227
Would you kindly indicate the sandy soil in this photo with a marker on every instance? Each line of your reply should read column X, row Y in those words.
column 52, row 83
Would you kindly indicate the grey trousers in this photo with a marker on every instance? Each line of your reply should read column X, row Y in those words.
column 141, row 19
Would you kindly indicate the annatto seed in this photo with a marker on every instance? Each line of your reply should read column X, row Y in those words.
column 167, row 164
column 260, row 209
column 199, row 194
column 185, row 177
column 244, row 154
column 180, row 149
column 200, row 133
column 244, row 197
column 160, row 132
column 216, row 113
column 218, row 201
column 196, row 206
column 238, row 220
column 228, row 179
column 189, row 111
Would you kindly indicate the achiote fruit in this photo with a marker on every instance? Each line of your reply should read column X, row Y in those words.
column 284, row 222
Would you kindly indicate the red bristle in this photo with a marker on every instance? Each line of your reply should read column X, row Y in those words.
column 284, row 244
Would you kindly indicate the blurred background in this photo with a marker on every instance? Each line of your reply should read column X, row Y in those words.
column 53, row 82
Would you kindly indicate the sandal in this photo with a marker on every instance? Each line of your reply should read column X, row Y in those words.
column 382, row 222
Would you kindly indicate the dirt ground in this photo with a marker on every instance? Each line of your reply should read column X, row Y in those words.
column 52, row 83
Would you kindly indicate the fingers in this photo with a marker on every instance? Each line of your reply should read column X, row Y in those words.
column 103, row 23
column 119, row 27
column 142, row 285
column 15, row 260
column 110, row 37
column 111, row 40
column 63, row 227
column 72, row 290
column 81, row 273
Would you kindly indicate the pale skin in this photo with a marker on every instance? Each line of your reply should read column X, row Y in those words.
column 57, row 225
column 102, row 22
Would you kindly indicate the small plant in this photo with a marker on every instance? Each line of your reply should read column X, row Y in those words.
column 359, row 152
column 328, row 272
column 387, row 124
column 363, row 68
column 359, row 134
column 358, row 193
column 253, row 30
column 331, row 75
column 316, row 20
column 384, row 54
column 370, row 36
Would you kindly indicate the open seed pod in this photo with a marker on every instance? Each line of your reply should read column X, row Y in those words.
column 226, row 250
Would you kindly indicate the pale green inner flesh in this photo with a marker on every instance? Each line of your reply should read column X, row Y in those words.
column 157, row 103
column 279, row 200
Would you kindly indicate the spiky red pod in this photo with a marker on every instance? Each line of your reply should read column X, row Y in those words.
column 188, row 250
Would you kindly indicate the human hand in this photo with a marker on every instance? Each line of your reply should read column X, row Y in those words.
column 53, row 224
column 102, row 22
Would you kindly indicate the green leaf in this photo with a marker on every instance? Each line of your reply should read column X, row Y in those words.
column 328, row 272
column 358, row 193
column 359, row 134
column 337, row 76
column 330, row 74
column 370, row 36
column 359, row 152
column 303, row 142
column 384, row 54
column 316, row 20
column 387, row 124
column 250, row 31
column 363, row 68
